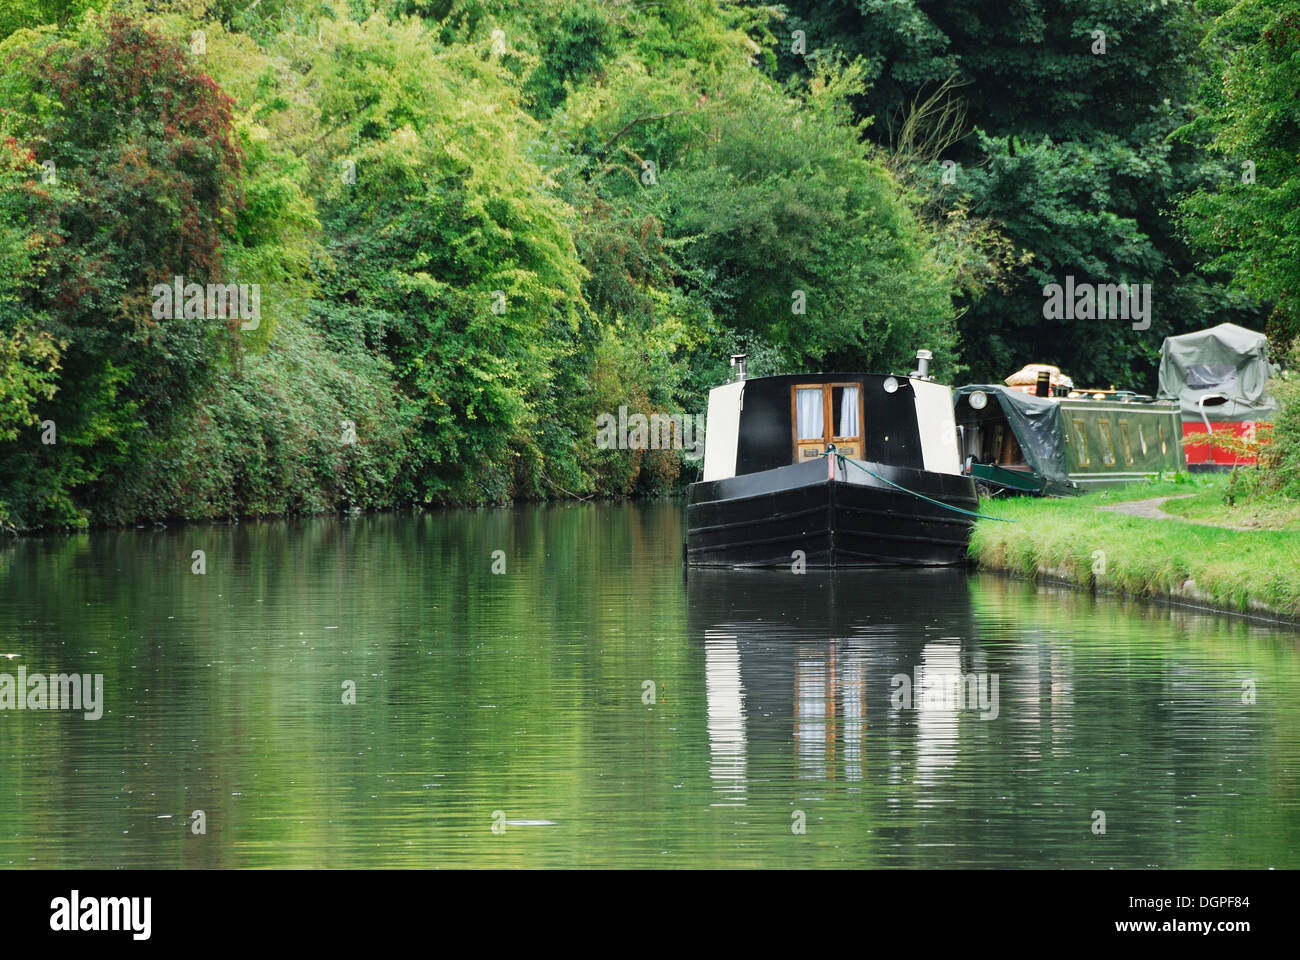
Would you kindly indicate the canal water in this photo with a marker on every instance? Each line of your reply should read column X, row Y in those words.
column 588, row 706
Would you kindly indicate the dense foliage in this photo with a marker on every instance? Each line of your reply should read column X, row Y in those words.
column 143, row 140
column 1250, row 217
column 476, row 225
column 1055, row 116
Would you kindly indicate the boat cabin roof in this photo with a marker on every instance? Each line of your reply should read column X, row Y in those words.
column 755, row 424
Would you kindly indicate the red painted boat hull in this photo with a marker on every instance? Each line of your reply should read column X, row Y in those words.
column 1214, row 456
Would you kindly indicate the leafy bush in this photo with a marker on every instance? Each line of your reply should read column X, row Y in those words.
column 301, row 428
column 1275, row 448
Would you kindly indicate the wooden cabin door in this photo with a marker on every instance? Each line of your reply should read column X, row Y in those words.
column 826, row 413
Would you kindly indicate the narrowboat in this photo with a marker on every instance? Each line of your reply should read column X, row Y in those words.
column 1042, row 443
column 830, row 470
column 1219, row 379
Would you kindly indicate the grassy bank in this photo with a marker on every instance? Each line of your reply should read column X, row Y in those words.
column 1207, row 506
column 1243, row 558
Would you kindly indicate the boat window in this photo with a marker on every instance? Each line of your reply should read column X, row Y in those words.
column 1126, row 442
column 844, row 402
column 1164, row 444
column 809, row 411
column 1107, row 443
column 824, row 414
column 1142, row 440
column 1081, row 441
column 845, row 408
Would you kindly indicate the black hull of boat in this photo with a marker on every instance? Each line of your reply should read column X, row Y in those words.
column 848, row 519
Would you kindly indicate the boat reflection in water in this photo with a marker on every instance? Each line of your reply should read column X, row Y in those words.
column 802, row 668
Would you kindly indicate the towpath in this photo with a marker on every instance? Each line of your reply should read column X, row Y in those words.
column 1153, row 510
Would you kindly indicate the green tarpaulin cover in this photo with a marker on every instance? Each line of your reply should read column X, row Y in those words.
column 1038, row 427
column 1228, row 360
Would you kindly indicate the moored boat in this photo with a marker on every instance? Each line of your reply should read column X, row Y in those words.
column 1219, row 379
column 1061, row 445
column 830, row 470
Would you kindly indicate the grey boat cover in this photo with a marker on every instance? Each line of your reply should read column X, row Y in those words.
column 1228, row 360
column 1038, row 427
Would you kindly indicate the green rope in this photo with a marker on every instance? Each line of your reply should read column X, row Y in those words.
column 938, row 503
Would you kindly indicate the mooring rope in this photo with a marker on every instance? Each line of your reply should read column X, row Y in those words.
column 938, row 503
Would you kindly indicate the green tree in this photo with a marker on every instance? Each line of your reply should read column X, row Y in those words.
column 147, row 141
column 1063, row 142
column 1250, row 219
column 29, row 354
column 450, row 241
column 798, row 236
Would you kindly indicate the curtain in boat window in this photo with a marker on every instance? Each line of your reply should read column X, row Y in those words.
column 849, row 426
column 811, row 424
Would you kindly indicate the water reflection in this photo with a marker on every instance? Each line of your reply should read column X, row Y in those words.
column 819, row 651
column 726, row 705
column 936, row 713
column 987, row 720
